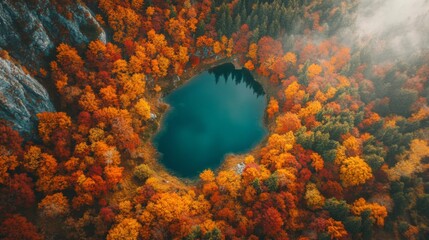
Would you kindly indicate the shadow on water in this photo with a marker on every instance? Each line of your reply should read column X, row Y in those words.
column 218, row 112
column 228, row 70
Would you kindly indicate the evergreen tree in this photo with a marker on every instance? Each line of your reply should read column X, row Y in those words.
column 272, row 183
column 237, row 23
column 201, row 26
column 338, row 209
column 366, row 225
column 353, row 224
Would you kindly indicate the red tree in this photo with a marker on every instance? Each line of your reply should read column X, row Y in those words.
column 272, row 222
column 18, row 227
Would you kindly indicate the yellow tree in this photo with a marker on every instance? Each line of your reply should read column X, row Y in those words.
column 273, row 107
column 120, row 68
column 282, row 143
column 207, row 175
column 163, row 65
column 209, row 184
column 134, row 86
column 421, row 114
column 287, row 122
column 353, row 146
column 229, row 181
column 411, row 161
column 336, row 229
column 183, row 56
column 290, row 57
column 113, row 174
column 253, row 51
column 274, row 155
column 8, row 162
column 249, row 65
column 105, row 155
column 54, row 205
column 142, row 108
column 317, row 162
column 217, row 47
column 313, row 198
column 139, row 62
column 293, row 94
column 169, row 206
column 125, row 23
column 354, row 171
column 49, row 122
column 313, row 70
column 69, row 59
column 109, row 96
column 253, row 171
column 378, row 212
column 312, row 108
column 127, row 229
column 229, row 47
column 32, row 158
column 291, row 90
column 88, row 101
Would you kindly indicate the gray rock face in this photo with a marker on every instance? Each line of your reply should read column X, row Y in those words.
column 21, row 98
column 30, row 32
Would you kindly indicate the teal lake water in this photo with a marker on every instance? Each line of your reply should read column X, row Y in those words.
column 217, row 112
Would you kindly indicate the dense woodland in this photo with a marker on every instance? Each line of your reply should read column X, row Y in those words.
column 347, row 155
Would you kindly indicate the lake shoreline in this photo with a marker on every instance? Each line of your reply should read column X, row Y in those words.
column 167, row 89
column 229, row 161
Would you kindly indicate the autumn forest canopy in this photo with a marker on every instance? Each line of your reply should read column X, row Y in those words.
column 346, row 155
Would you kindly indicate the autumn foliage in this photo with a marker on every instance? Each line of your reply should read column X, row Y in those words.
column 345, row 156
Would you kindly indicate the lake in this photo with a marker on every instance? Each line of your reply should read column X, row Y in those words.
column 218, row 112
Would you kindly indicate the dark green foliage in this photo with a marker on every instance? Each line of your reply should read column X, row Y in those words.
column 272, row 183
column 396, row 141
column 255, row 35
column 396, row 187
column 224, row 21
column 263, row 26
column 257, row 185
column 338, row 209
column 319, row 142
column 196, row 233
column 329, row 155
column 271, row 18
column 375, row 128
column 406, row 126
column 143, row 172
column 374, row 161
column 335, row 125
column 422, row 205
column 366, row 225
column 353, row 224
column 374, row 153
column 323, row 236
column 399, row 199
column 400, row 203
column 237, row 23
column 401, row 100
column 215, row 234
column 173, row 12
column 302, row 75
column 403, row 227
column 201, row 27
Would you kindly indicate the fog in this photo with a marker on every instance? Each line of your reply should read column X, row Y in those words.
column 400, row 27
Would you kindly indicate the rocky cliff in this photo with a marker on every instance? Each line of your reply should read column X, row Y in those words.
column 21, row 98
column 30, row 30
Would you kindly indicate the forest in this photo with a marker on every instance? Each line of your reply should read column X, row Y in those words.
column 347, row 150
